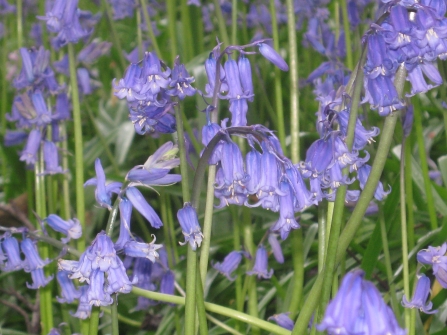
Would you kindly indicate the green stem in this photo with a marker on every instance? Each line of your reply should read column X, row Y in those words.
column 188, row 52
column 251, row 280
column 349, row 60
column 79, row 158
column 409, row 194
column 182, row 151
column 298, row 271
column 171, row 9
column 65, row 210
column 234, row 28
column 294, row 88
column 278, row 86
column 214, row 309
column 46, row 308
column 149, row 27
column 114, row 310
column 322, row 221
column 94, row 321
column 389, row 270
column 203, row 326
column 19, row 15
column 139, row 36
column 115, row 39
column 356, row 218
column 424, row 165
column 207, row 223
column 403, row 225
column 190, row 300
column 221, row 23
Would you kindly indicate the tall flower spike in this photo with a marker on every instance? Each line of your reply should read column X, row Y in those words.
column 420, row 296
column 261, row 264
column 189, row 222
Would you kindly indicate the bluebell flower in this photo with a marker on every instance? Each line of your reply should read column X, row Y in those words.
column 6, row 8
column 14, row 137
column 154, row 76
column 39, row 279
column 180, row 82
column 167, row 283
column 90, row 53
column 84, row 308
column 68, row 291
column 359, row 308
column 363, row 175
column 210, row 130
column 70, row 228
column 229, row 264
column 118, row 281
column 32, row 259
column 51, row 158
column 189, row 223
column 246, row 77
column 211, row 70
column 155, row 170
column 130, row 86
column 123, row 8
column 144, row 250
column 276, row 248
column 420, row 296
column 272, row 56
column 10, row 248
column 261, row 264
column 435, row 256
column 407, row 120
column 62, row 110
column 142, row 273
column 283, row 320
column 96, row 294
column 84, row 81
column 286, row 221
column 103, row 192
column 140, row 203
column 125, row 207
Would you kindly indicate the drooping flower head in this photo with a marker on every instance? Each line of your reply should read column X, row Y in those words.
column 189, row 222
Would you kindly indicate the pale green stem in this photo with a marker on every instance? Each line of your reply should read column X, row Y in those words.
column 190, row 300
column 79, row 157
column 294, row 88
column 403, row 225
column 115, row 39
column 270, row 327
column 149, row 27
column 221, row 23
column 182, row 152
column 322, row 221
column 424, row 165
column 234, row 28
column 298, row 275
column 171, row 9
column 46, row 307
column 409, row 195
column 19, row 15
column 114, row 310
column 65, row 209
column 139, row 35
column 94, row 321
column 188, row 52
column 203, row 324
column 207, row 223
column 278, row 85
column 389, row 270
column 346, row 28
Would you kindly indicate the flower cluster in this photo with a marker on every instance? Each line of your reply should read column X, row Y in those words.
column 148, row 88
column 102, row 271
column 358, row 308
column 10, row 259
column 413, row 40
